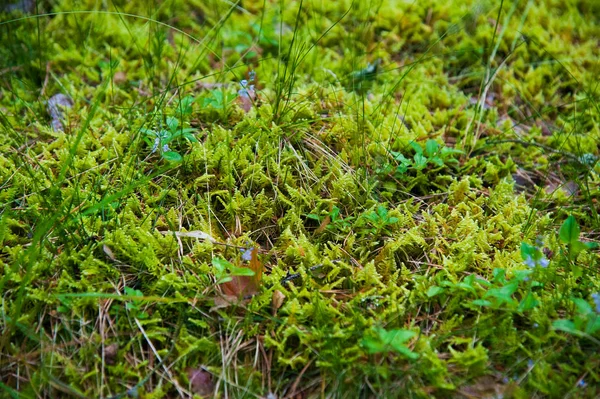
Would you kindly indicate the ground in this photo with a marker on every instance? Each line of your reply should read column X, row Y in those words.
column 299, row 199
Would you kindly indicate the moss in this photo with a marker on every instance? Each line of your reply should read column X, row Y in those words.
column 398, row 201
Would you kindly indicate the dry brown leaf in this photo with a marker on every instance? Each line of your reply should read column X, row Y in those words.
column 110, row 353
column 244, row 286
column 277, row 301
column 109, row 252
column 240, row 287
column 201, row 382
column 324, row 224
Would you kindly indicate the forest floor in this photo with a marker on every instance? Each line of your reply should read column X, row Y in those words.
column 299, row 199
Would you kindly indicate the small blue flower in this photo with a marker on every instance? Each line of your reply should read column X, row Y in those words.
column 530, row 262
column 156, row 143
column 247, row 255
column 530, row 363
column 544, row 262
column 535, row 325
column 581, row 383
column 596, row 298
column 166, row 148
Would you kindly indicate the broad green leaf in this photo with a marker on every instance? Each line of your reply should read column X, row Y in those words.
column 437, row 160
column 481, row 302
column 569, row 231
column 566, row 326
column 172, row 156
column 583, row 307
column 241, row 271
column 593, row 324
column 431, row 148
column 434, row 290
column 221, row 265
column 528, row 251
column 420, row 161
column 172, row 123
column 415, row 146
column 528, row 303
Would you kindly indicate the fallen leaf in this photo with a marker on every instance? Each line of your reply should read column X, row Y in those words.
column 109, row 252
column 240, row 286
column 324, row 224
column 110, row 353
column 193, row 234
column 277, row 301
column 243, row 286
column 201, row 382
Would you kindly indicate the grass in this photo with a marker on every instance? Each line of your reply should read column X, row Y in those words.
column 400, row 201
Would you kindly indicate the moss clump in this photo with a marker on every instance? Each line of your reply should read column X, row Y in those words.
column 373, row 200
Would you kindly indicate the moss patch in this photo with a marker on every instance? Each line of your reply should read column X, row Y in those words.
column 300, row 199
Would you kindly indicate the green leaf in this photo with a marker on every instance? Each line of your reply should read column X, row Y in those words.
column 576, row 247
column 420, row 161
column 528, row 303
column 172, row 124
column 437, row 160
column 528, row 251
column 434, row 290
column 415, row 146
column 172, row 156
column 583, row 307
column 387, row 341
column 431, row 148
column 569, row 231
column 185, row 105
column 221, row 265
column 503, row 294
column 593, row 324
column 481, row 302
column 241, row 271
column 566, row 326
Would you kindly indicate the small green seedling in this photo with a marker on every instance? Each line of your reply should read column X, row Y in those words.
column 569, row 235
column 160, row 140
column 134, row 307
column 225, row 271
column 585, row 323
column 380, row 219
column 433, row 154
column 383, row 341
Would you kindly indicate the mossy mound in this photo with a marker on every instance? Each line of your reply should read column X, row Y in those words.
column 299, row 199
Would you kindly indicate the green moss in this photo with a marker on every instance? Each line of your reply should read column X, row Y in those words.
column 383, row 202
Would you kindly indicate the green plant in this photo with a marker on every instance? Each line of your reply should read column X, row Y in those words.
column 134, row 307
column 383, row 341
column 586, row 322
column 225, row 271
column 434, row 154
column 159, row 140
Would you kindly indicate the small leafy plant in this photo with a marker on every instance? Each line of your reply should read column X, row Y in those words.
column 569, row 235
column 225, row 271
column 586, row 321
column 434, row 154
column 383, row 341
column 160, row 140
column 135, row 307
column 379, row 219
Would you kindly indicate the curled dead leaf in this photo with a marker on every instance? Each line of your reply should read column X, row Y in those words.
column 277, row 301
column 109, row 252
column 201, row 382
column 110, row 353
